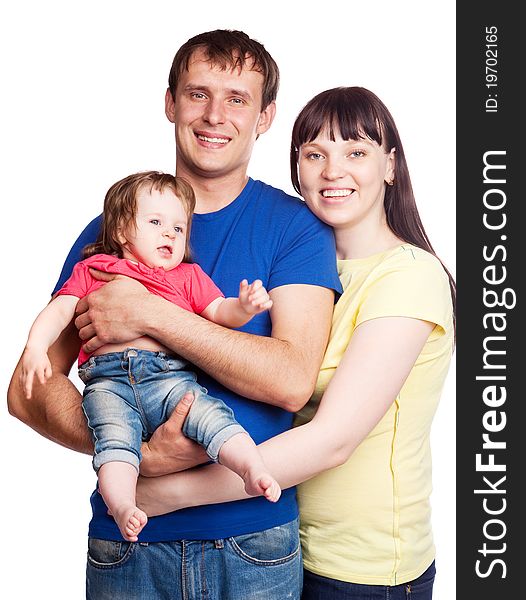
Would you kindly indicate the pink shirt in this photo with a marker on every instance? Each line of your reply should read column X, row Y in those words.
column 187, row 286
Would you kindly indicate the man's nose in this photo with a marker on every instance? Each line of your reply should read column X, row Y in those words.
column 214, row 112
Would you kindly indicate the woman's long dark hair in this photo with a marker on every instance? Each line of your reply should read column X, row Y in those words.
column 357, row 113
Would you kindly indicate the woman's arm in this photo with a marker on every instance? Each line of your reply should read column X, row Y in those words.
column 378, row 360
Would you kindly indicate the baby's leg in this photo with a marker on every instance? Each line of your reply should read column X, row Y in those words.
column 240, row 454
column 117, row 483
column 212, row 424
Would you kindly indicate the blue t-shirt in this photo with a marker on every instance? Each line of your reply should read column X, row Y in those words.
column 263, row 234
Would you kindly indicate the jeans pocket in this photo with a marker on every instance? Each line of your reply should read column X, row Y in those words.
column 422, row 587
column 273, row 546
column 85, row 372
column 107, row 554
column 169, row 363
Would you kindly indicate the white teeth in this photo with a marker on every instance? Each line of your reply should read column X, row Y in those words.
column 213, row 140
column 336, row 193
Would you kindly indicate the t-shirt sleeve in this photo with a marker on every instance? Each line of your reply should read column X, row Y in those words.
column 201, row 289
column 79, row 282
column 416, row 288
column 307, row 254
column 88, row 236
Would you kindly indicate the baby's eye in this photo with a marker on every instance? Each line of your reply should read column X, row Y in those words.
column 155, row 221
column 178, row 229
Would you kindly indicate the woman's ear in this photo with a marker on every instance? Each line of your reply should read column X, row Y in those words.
column 390, row 167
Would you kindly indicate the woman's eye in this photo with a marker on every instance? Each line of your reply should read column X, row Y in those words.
column 314, row 156
column 357, row 153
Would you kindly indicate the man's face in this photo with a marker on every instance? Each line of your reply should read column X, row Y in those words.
column 217, row 116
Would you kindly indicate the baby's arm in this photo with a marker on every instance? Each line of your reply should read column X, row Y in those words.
column 44, row 332
column 235, row 312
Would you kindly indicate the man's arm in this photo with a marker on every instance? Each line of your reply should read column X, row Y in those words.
column 280, row 370
column 55, row 412
column 55, row 409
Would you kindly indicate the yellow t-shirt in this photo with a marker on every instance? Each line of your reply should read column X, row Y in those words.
column 368, row 521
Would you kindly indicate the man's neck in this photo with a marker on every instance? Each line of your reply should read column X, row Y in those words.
column 213, row 193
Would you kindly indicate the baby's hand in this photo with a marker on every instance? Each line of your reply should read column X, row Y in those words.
column 254, row 298
column 34, row 362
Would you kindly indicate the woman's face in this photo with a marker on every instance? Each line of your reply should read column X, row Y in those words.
column 343, row 181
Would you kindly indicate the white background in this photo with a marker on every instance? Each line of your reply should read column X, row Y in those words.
column 82, row 106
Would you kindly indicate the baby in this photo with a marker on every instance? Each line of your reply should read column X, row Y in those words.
column 132, row 388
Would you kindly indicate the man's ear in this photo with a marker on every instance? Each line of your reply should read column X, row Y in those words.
column 265, row 118
column 169, row 106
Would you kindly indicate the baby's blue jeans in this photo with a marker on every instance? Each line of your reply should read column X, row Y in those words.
column 129, row 394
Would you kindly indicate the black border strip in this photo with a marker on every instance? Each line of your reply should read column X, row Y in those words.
column 490, row 274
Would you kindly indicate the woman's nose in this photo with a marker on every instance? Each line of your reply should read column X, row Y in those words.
column 333, row 169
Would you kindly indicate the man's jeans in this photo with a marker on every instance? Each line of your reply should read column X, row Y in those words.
column 129, row 394
column 257, row 566
column 316, row 587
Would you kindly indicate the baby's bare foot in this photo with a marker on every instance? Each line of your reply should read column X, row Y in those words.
column 263, row 485
column 131, row 522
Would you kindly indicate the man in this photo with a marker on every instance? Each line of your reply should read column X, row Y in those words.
column 221, row 98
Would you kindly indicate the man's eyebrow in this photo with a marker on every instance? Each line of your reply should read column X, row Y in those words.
column 194, row 86
column 191, row 87
column 241, row 93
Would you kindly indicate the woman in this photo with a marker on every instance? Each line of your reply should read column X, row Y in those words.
column 362, row 444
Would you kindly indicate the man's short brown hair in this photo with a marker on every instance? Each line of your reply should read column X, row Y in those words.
column 229, row 49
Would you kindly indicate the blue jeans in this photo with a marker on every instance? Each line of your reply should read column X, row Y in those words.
column 129, row 394
column 316, row 587
column 257, row 566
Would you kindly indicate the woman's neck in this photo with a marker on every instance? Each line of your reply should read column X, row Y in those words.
column 361, row 242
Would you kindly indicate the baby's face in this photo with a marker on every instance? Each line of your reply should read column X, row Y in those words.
column 159, row 237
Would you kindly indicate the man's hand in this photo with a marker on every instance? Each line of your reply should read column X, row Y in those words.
column 169, row 450
column 112, row 314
